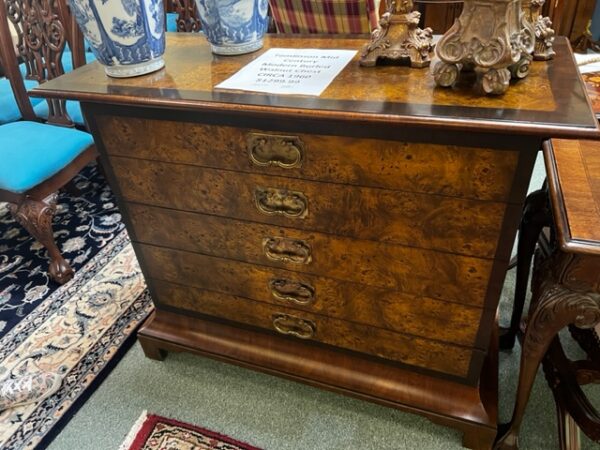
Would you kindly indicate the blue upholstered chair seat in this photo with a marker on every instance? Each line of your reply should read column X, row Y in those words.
column 32, row 152
column 73, row 109
column 9, row 110
column 171, row 20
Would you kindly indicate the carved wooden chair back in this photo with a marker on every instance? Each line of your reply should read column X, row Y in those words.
column 182, row 16
column 74, row 35
column 10, row 67
column 43, row 28
column 186, row 14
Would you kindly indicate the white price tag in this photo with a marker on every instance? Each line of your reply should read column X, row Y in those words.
column 290, row 71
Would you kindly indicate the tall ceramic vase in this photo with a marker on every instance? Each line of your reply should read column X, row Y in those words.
column 127, row 36
column 233, row 27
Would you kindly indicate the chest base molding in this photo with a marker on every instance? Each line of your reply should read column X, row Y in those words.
column 469, row 409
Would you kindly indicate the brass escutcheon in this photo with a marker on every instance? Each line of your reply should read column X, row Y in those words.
column 274, row 201
column 275, row 150
column 292, row 291
column 294, row 326
column 286, row 250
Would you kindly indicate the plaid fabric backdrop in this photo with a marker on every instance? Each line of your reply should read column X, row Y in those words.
column 324, row 16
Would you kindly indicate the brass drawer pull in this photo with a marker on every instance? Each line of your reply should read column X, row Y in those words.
column 274, row 150
column 294, row 326
column 287, row 250
column 292, row 291
column 272, row 201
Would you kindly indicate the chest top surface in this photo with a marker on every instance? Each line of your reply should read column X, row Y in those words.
column 550, row 102
column 573, row 168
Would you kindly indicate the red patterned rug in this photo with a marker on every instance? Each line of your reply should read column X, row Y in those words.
column 152, row 432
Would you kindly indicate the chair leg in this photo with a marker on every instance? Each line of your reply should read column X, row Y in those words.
column 36, row 217
column 72, row 190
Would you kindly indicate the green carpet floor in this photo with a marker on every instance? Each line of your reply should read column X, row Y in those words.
column 277, row 414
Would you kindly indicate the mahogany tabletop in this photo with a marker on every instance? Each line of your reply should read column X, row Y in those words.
column 550, row 102
column 573, row 170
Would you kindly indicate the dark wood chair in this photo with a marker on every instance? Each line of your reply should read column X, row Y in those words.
column 39, row 158
column 182, row 15
column 74, row 56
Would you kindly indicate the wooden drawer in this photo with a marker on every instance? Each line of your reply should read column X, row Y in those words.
column 450, row 170
column 468, row 227
column 421, row 272
column 411, row 350
column 367, row 305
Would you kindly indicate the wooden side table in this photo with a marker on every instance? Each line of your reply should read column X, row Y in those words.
column 565, row 289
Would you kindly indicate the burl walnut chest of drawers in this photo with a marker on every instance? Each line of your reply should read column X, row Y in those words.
column 357, row 241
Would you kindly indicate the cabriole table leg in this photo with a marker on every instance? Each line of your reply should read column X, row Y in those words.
column 553, row 307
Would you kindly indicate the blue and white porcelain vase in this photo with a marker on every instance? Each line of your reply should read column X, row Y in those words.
column 233, row 27
column 127, row 36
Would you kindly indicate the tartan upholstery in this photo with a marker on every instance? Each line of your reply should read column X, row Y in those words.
column 324, row 16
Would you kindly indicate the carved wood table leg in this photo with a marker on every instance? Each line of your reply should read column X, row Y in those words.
column 553, row 307
column 36, row 217
column 536, row 215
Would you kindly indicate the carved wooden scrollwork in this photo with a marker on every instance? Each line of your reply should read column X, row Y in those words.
column 493, row 39
column 286, row 250
column 41, row 39
column 274, row 150
column 542, row 29
column 187, row 15
column 273, row 201
column 292, row 291
column 41, row 36
column 554, row 305
column 557, row 308
column 398, row 37
column 14, row 13
column 294, row 326
column 577, row 272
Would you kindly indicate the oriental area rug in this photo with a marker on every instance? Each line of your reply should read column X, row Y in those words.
column 78, row 330
column 152, row 432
